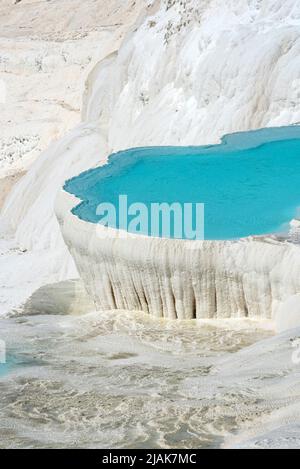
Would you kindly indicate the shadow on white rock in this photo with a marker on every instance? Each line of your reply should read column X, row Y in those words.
column 68, row 297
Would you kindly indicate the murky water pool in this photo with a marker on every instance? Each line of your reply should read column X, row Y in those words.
column 121, row 380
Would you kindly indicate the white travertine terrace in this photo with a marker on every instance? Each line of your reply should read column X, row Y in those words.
column 185, row 75
column 188, row 73
column 169, row 278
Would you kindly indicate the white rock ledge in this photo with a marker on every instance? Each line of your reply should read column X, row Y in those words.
column 250, row 277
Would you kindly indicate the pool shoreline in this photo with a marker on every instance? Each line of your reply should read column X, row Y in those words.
column 249, row 191
column 250, row 277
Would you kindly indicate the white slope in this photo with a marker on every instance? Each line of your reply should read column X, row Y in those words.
column 39, row 106
column 186, row 74
column 47, row 50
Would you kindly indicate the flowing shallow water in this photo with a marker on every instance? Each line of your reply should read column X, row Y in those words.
column 122, row 380
column 249, row 185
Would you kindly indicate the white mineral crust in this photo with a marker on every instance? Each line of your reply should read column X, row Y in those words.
column 186, row 74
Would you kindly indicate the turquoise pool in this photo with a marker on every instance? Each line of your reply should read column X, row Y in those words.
column 250, row 183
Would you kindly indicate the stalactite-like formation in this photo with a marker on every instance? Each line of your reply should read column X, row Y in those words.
column 180, row 279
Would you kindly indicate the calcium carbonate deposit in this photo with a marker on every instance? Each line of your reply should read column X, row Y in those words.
column 173, row 73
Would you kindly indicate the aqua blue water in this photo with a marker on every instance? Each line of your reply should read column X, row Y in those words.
column 6, row 367
column 250, row 184
column 17, row 361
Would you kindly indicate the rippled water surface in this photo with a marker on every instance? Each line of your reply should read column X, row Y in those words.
column 121, row 380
